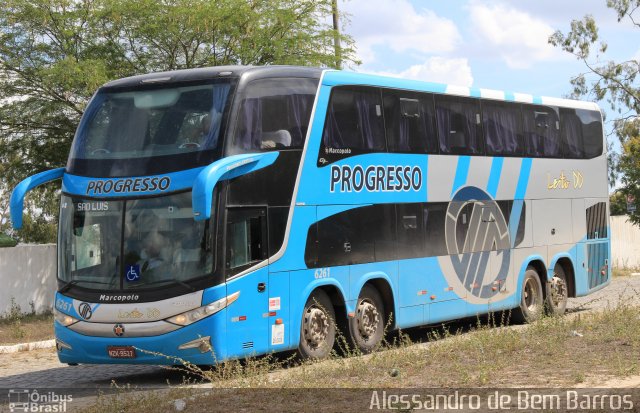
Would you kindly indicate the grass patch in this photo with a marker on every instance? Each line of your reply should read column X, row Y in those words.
column 580, row 348
column 623, row 271
column 19, row 327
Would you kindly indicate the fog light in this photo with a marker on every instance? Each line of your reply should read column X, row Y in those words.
column 60, row 345
column 203, row 344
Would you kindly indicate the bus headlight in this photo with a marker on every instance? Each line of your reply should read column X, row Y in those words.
column 199, row 313
column 64, row 319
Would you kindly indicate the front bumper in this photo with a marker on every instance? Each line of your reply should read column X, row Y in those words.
column 157, row 350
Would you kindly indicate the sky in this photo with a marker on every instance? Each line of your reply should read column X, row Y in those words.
column 494, row 44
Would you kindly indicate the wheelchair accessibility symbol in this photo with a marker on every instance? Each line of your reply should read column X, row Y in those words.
column 133, row 272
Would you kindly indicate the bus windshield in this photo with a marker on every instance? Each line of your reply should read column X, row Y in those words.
column 125, row 126
column 132, row 244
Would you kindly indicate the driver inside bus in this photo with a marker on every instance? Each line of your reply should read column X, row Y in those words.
column 152, row 252
column 209, row 125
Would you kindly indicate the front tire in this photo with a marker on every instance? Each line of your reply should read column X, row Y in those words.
column 318, row 328
column 531, row 298
column 557, row 292
column 366, row 328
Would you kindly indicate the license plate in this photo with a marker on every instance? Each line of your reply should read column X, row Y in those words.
column 121, row 352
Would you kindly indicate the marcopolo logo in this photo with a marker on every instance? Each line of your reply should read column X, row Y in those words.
column 375, row 178
column 475, row 228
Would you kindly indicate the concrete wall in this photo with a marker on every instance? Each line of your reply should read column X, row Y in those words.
column 28, row 274
column 625, row 243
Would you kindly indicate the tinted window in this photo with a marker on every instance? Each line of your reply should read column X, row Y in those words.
column 581, row 133
column 274, row 114
column 541, row 131
column 356, row 236
column 410, row 122
column 246, row 242
column 458, row 121
column 502, row 125
column 434, row 218
column 411, row 237
column 354, row 123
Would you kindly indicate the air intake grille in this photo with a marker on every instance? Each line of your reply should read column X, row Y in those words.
column 597, row 221
column 248, row 344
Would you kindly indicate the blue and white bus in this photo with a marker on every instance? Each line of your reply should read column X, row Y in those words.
column 216, row 213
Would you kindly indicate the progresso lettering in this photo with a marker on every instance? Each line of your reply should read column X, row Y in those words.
column 375, row 178
column 125, row 185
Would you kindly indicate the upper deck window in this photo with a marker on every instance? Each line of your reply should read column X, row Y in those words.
column 459, row 128
column 541, row 131
column 274, row 114
column 127, row 131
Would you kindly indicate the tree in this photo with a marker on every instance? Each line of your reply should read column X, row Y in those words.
column 613, row 82
column 617, row 204
column 55, row 53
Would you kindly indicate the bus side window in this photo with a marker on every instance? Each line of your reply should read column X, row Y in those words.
column 354, row 124
column 274, row 114
column 246, row 238
column 459, row 126
column 434, row 216
column 410, row 122
column 502, row 125
column 581, row 133
column 411, row 234
column 541, row 126
column 572, row 143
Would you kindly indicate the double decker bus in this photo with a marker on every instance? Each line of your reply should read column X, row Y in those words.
column 216, row 213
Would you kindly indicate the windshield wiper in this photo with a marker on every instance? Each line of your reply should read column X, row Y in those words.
column 182, row 283
column 71, row 283
column 68, row 285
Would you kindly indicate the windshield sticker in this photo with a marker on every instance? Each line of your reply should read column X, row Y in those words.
column 91, row 206
column 127, row 185
column 132, row 272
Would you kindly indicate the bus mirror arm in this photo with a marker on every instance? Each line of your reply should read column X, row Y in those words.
column 223, row 169
column 20, row 191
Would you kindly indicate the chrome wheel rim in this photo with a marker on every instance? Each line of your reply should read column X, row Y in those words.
column 315, row 327
column 367, row 318
column 531, row 295
column 558, row 291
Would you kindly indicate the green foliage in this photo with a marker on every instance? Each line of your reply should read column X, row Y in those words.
column 614, row 82
column 618, row 204
column 55, row 54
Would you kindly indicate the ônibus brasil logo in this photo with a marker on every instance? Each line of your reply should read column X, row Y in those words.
column 474, row 228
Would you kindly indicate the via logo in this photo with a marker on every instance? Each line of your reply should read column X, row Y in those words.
column 474, row 229
column 85, row 311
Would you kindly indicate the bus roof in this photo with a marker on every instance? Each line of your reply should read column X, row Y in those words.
column 214, row 72
column 339, row 77
column 342, row 77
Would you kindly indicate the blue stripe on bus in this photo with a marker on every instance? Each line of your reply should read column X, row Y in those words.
column 462, row 171
column 521, row 191
column 494, row 176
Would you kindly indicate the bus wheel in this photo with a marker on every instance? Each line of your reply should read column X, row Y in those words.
column 557, row 292
column 318, row 329
column 531, row 298
column 367, row 324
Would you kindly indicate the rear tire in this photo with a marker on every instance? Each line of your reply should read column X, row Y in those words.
column 557, row 292
column 318, row 328
column 531, row 298
column 366, row 328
